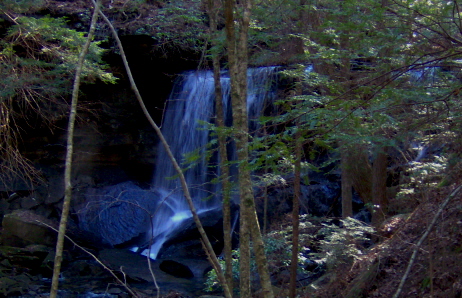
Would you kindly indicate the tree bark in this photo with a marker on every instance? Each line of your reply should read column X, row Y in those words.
column 238, row 62
column 295, row 217
column 68, row 162
column 213, row 7
column 347, row 186
column 361, row 173
column 379, row 187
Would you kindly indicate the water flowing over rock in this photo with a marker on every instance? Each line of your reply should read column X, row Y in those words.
column 190, row 108
column 127, row 215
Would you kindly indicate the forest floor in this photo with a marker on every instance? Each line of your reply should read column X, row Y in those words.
column 436, row 270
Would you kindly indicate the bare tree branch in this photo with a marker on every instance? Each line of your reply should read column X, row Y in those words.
column 422, row 239
column 69, row 152
column 178, row 169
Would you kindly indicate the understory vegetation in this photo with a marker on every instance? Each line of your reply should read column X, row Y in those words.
column 325, row 244
column 37, row 60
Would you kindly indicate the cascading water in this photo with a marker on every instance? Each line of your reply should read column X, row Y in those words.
column 191, row 104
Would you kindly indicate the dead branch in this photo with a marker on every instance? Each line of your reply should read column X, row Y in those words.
column 422, row 239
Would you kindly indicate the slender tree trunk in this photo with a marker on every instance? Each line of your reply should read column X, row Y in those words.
column 295, row 217
column 237, row 58
column 360, row 172
column 379, row 187
column 208, row 246
column 347, row 185
column 236, row 96
column 213, row 7
column 69, row 152
column 265, row 195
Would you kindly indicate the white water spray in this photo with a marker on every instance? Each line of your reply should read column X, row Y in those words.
column 190, row 107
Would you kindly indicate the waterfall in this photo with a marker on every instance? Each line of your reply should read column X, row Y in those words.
column 189, row 108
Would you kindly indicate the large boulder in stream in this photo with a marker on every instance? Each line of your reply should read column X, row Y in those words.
column 123, row 216
column 117, row 214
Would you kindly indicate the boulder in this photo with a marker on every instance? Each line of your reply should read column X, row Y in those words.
column 117, row 214
column 176, row 269
column 31, row 201
column 4, row 206
column 14, row 285
column 24, row 227
column 185, row 241
column 136, row 268
column 16, row 260
column 320, row 196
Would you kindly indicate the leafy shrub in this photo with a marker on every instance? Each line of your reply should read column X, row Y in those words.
column 341, row 244
column 324, row 244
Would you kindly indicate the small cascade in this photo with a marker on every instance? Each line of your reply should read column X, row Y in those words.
column 190, row 106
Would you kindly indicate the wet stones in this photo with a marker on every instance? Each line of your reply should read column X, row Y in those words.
column 176, row 269
column 24, row 227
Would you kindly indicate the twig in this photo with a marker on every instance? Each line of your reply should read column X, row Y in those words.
column 176, row 166
column 69, row 152
column 422, row 239
column 138, row 205
column 124, row 284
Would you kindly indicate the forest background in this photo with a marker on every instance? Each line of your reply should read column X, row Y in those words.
column 381, row 100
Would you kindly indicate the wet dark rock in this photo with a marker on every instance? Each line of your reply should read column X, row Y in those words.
column 176, row 269
column 24, row 227
column 136, row 268
column 14, row 286
column 320, row 197
column 83, row 268
column 15, row 257
column 185, row 241
column 4, row 207
column 53, row 190
column 117, row 214
column 192, row 249
column 115, row 291
column 17, row 261
column 31, row 201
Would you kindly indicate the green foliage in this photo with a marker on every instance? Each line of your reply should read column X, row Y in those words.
column 45, row 52
column 341, row 244
column 38, row 57
column 380, row 79
column 212, row 284
column 178, row 25
column 327, row 243
column 278, row 254
column 21, row 6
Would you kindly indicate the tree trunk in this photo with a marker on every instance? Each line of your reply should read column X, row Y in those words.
column 295, row 217
column 379, row 187
column 347, row 188
column 213, row 7
column 361, row 173
column 69, row 152
column 237, row 58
